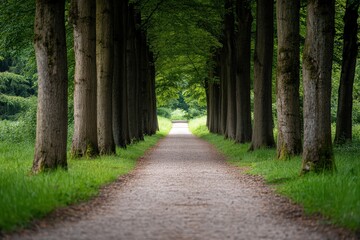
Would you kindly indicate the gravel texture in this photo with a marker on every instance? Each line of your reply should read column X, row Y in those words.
column 184, row 189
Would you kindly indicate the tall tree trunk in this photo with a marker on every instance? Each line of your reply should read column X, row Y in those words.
column 155, row 124
column 350, row 50
column 216, row 108
column 139, row 88
column 288, row 62
column 84, row 141
column 146, row 85
column 207, row 87
column 104, row 61
column 51, row 59
column 243, row 55
column 230, row 70
column 263, row 121
column 223, row 94
column 119, row 106
column 214, row 94
column 217, row 94
column 317, row 65
column 131, row 71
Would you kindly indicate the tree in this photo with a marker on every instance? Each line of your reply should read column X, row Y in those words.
column 104, row 62
column 229, row 68
column 139, row 86
column 84, row 141
column 243, row 55
column 213, row 113
column 119, row 90
column 317, row 66
column 350, row 50
column 263, row 57
column 288, row 100
column 50, row 48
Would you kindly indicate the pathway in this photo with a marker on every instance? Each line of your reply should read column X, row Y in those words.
column 184, row 189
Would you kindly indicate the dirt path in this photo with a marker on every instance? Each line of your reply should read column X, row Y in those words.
column 185, row 190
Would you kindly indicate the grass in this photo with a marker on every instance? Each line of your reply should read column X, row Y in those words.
column 336, row 196
column 24, row 197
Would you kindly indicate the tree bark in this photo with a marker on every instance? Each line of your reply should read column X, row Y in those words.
column 146, row 85
column 317, row 66
column 223, row 94
column 288, row 99
column 139, row 87
column 104, row 61
column 119, row 106
column 51, row 59
column 243, row 55
column 263, row 121
column 350, row 50
column 155, row 124
column 84, row 141
column 131, row 71
column 230, row 70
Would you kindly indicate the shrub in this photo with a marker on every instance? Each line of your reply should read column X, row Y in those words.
column 24, row 128
column 12, row 106
column 14, row 84
column 164, row 112
column 178, row 114
column 194, row 113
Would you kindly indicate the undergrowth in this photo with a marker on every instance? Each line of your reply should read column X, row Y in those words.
column 24, row 197
column 336, row 196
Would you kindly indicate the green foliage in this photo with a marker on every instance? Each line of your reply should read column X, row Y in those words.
column 164, row 112
column 178, row 114
column 182, row 35
column 14, row 84
column 25, row 197
column 11, row 106
column 16, row 42
column 195, row 112
column 333, row 195
column 24, row 128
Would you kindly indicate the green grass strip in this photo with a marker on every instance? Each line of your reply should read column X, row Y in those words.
column 24, row 197
column 336, row 196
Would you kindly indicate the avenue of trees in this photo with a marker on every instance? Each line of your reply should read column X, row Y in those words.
column 255, row 66
column 114, row 87
column 317, row 59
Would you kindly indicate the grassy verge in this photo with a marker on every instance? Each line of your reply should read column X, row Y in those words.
column 24, row 197
column 336, row 196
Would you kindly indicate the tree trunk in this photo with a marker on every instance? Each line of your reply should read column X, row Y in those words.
column 155, row 124
column 243, row 55
column 350, row 50
column 85, row 135
column 146, row 86
column 317, row 66
column 119, row 106
column 223, row 94
column 51, row 59
column 139, row 88
column 263, row 121
column 288, row 100
column 104, row 61
column 207, row 86
column 216, row 109
column 230, row 70
column 131, row 71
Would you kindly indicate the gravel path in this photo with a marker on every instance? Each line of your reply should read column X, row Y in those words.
column 183, row 189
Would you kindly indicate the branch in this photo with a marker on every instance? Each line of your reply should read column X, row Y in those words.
column 147, row 20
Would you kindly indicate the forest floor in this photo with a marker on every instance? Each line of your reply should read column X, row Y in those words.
column 184, row 189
